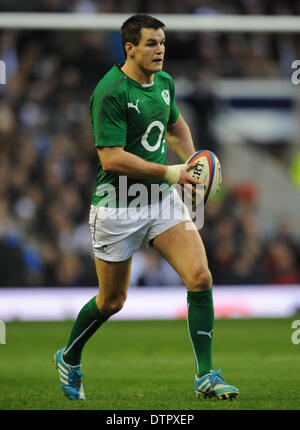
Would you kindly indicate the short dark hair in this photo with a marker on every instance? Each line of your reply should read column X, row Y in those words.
column 131, row 28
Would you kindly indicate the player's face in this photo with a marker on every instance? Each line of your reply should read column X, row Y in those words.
column 149, row 53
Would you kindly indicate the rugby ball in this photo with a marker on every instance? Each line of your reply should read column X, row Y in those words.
column 207, row 171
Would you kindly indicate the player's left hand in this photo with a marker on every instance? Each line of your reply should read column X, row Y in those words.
column 192, row 194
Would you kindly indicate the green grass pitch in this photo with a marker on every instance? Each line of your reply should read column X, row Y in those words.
column 149, row 365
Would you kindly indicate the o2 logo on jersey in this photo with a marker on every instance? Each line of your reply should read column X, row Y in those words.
column 145, row 142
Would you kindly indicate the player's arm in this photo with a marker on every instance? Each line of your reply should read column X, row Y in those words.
column 120, row 162
column 180, row 139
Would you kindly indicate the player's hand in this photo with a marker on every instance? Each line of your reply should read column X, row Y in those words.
column 177, row 174
column 192, row 194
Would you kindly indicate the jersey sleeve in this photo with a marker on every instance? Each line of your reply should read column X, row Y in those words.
column 174, row 112
column 109, row 120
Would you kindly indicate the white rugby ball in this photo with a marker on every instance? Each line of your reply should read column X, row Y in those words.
column 207, row 171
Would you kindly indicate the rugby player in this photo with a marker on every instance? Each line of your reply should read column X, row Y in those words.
column 134, row 115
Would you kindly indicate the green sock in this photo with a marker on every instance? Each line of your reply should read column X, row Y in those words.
column 87, row 322
column 200, row 321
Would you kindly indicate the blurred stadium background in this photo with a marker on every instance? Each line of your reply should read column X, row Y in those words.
column 235, row 91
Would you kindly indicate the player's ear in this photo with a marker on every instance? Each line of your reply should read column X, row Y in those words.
column 129, row 48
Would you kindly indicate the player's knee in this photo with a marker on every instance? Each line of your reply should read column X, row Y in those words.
column 113, row 305
column 201, row 280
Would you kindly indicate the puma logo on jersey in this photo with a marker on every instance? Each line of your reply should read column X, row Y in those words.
column 208, row 333
column 166, row 96
column 131, row 105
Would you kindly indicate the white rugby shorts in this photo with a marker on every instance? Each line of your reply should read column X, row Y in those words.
column 118, row 232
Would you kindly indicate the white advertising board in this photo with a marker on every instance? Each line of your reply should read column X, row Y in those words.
column 55, row 304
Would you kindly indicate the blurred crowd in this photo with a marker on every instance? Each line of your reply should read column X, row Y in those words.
column 249, row 7
column 230, row 54
column 48, row 161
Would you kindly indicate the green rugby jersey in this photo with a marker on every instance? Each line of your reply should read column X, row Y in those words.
column 126, row 113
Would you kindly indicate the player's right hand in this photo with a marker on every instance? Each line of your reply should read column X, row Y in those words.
column 177, row 174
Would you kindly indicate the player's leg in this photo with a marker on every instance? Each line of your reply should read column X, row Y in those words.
column 113, row 280
column 184, row 250
column 113, row 283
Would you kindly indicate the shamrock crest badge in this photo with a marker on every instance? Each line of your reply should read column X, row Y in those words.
column 166, row 96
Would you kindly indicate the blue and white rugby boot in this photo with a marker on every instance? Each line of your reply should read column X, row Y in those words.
column 213, row 385
column 70, row 377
